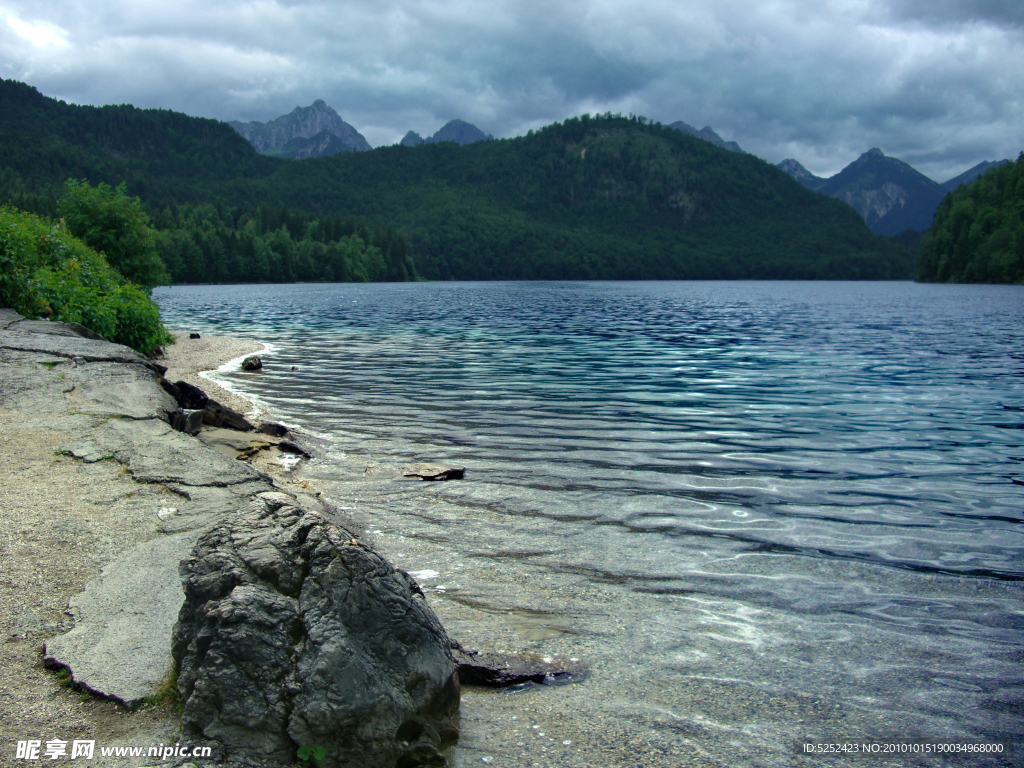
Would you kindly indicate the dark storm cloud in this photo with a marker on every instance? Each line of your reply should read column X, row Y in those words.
column 937, row 83
column 998, row 12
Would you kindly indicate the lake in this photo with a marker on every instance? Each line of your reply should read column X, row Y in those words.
column 759, row 513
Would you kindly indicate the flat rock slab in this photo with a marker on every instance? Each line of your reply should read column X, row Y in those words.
column 156, row 453
column 33, row 383
column 71, row 347
column 120, row 646
column 107, row 389
column 500, row 670
column 434, row 472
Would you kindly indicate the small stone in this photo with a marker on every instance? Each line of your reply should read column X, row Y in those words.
column 252, row 363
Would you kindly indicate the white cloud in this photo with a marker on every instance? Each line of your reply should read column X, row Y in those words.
column 38, row 34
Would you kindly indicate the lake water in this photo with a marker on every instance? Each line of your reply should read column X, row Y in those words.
column 758, row 512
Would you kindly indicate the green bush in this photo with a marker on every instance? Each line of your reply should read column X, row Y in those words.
column 45, row 272
column 113, row 224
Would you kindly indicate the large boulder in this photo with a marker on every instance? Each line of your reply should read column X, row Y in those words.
column 294, row 635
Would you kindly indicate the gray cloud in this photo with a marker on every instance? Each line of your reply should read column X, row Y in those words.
column 936, row 83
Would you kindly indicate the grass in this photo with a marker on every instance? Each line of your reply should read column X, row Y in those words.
column 166, row 693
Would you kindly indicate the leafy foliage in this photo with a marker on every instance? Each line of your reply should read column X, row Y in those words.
column 978, row 233
column 110, row 222
column 45, row 272
column 311, row 753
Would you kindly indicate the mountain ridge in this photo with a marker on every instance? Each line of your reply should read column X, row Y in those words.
column 303, row 123
column 891, row 195
column 456, row 130
column 607, row 197
column 707, row 134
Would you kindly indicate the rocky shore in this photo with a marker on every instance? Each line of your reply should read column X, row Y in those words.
column 119, row 532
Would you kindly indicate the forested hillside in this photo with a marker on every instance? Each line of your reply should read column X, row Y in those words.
column 593, row 197
column 978, row 233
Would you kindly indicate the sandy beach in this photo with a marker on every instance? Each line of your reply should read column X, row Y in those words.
column 61, row 521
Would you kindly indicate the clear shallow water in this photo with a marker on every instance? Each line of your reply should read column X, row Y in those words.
column 759, row 512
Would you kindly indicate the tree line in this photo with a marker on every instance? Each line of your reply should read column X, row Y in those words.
column 978, row 232
column 602, row 197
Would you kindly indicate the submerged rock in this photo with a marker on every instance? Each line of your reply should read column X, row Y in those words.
column 500, row 670
column 434, row 472
column 293, row 634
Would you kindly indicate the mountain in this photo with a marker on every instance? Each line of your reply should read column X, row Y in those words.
column 801, row 174
column 303, row 123
column 604, row 197
column 968, row 176
column 978, row 232
column 323, row 144
column 163, row 155
column 890, row 195
column 707, row 134
column 458, row 131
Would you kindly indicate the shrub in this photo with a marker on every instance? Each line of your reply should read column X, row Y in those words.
column 113, row 224
column 45, row 272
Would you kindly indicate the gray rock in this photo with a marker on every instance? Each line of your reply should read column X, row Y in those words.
column 187, row 421
column 104, row 388
column 434, row 472
column 273, row 429
column 252, row 363
column 217, row 415
column 155, row 453
column 190, row 396
column 123, row 621
column 9, row 317
column 71, row 345
column 293, row 634
column 500, row 670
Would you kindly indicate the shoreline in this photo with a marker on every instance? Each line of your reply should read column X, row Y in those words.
column 63, row 520
column 190, row 359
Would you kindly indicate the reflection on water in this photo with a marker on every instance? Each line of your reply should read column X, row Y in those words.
column 758, row 512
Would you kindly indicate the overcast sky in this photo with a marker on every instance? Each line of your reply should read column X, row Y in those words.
column 936, row 83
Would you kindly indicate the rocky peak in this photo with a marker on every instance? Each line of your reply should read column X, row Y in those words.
column 707, row 134
column 301, row 123
column 411, row 139
column 460, row 132
column 801, row 174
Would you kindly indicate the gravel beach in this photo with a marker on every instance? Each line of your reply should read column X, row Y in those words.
column 61, row 521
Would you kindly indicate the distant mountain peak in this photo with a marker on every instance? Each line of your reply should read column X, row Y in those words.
column 707, row 134
column 460, row 132
column 456, row 130
column 303, row 123
column 801, row 174
column 971, row 174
